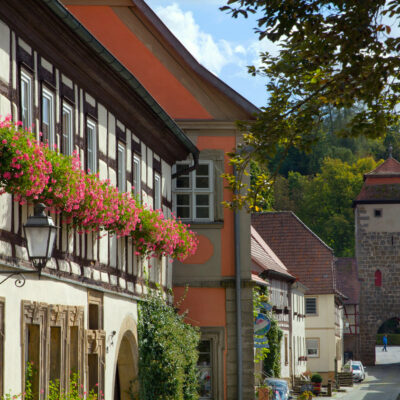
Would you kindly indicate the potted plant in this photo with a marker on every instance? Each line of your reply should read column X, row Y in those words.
column 316, row 380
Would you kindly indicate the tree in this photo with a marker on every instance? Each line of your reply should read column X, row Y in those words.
column 336, row 56
column 324, row 202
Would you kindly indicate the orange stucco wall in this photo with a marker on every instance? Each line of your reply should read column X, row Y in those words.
column 225, row 143
column 206, row 306
column 105, row 25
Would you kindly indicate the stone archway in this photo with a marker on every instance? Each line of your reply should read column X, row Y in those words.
column 126, row 365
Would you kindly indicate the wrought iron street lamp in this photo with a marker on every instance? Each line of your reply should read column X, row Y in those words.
column 40, row 234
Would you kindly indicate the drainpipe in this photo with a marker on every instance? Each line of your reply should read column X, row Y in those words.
column 238, row 300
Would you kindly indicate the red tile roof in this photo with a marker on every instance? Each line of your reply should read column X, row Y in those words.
column 377, row 193
column 390, row 167
column 347, row 279
column 264, row 257
column 304, row 254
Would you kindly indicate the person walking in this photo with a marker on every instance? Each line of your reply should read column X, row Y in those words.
column 384, row 340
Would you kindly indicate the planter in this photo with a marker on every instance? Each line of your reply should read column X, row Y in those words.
column 316, row 387
column 263, row 393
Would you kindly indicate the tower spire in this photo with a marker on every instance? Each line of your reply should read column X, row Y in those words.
column 390, row 150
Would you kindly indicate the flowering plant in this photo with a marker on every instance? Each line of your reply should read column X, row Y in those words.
column 32, row 172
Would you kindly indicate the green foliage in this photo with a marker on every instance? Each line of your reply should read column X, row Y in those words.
column 272, row 364
column 393, row 339
column 336, row 57
column 392, row 325
column 167, row 352
column 307, row 395
column 316, row 378
column 260, row 295
column 324, row 202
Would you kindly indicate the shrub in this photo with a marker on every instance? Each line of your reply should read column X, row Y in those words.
column 316, row 378
column 167, row 352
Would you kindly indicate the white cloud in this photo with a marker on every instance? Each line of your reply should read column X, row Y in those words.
column 213, row 54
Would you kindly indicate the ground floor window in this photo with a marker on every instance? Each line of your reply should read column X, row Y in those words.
column 312, row 346
column 205, row 369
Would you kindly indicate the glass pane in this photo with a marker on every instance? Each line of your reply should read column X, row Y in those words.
column 205, row 383
column 46, row 111
column 202, row 200
column 183, row 199
column 181, row 167
column 204, row 346
column 67, row 132
column 183, row 212
column 202, row 182
column 183, row 181
column 202, row 170
column 204, row 359
column 202, row 212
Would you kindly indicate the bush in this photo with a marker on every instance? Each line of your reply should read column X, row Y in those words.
column 167, row 352
column 316, row 378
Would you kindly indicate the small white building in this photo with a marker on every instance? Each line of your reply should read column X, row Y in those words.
column 286, row 296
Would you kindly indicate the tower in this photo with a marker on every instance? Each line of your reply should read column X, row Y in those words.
column 377, row 230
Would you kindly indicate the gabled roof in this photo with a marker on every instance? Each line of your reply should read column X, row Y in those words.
column 389, row 168
column 304, row 254
column 347, row 279
column 135, row 35
column 265, row 258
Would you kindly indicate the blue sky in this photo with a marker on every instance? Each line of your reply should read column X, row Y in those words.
column 222, row 44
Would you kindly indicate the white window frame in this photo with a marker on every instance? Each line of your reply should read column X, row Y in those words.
column 121, row 168
column 137, row 175
column 48, row 95
column 91, row 166
column 67, row 110
column 157, row 191
column 316, row 305
column 192, row 191
column 312, row 344
column 27, row 80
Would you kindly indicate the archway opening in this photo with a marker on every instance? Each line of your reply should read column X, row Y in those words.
column 126, row 368
column 387, row 349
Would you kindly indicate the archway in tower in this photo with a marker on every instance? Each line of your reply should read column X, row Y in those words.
column 126, row 369
column 389, row 331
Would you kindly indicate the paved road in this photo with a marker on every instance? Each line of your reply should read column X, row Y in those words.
column 382, row 381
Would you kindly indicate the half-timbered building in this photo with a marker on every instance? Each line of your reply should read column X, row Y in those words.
column 82, row 314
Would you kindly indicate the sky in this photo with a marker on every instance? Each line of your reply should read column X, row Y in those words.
column 222, row 44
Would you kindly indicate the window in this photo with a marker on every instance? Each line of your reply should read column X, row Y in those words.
column 26, row 100
column 204, row 366
column 136, row 175
column 194, row 192
column 91, row 147
column 121, row 168
column 312, row 346
column 378, row 213
column 378, row 278
column 157, row 192
column 67, row 144
column 48, row 126
column 311, row 306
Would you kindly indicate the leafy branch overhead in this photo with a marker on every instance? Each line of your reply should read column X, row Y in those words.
column 334, row 55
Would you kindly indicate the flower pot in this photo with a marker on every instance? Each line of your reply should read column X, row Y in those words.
column 263, row 393
column 317, row 387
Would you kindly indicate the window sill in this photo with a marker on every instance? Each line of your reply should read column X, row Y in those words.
column 205, row 224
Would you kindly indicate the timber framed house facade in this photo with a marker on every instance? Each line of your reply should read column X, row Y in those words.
column 82, row 314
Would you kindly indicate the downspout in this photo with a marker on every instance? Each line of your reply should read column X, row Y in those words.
column 190, row 168
column 238, row 282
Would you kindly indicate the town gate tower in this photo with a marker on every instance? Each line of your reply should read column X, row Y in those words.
column 377, row 229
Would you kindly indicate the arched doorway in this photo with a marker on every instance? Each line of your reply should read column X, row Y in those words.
column 391, row 329
column 126, row 368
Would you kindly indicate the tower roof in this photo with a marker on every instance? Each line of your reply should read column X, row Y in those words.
column 389, row 168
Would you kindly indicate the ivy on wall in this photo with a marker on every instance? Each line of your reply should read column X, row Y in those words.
column 167, row 352
column 33, row 172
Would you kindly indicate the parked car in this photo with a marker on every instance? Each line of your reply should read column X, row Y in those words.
column 280, row 388
column 356, row 368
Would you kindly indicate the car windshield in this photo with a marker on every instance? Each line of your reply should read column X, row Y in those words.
column 356, row 367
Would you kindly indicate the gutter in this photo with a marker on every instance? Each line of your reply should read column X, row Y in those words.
column 60, row 11
column 238, row 284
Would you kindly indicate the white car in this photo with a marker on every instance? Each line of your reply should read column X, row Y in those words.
column 357, row 369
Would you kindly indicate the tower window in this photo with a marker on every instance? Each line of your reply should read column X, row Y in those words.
column 378, row 278
column 378, row 213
